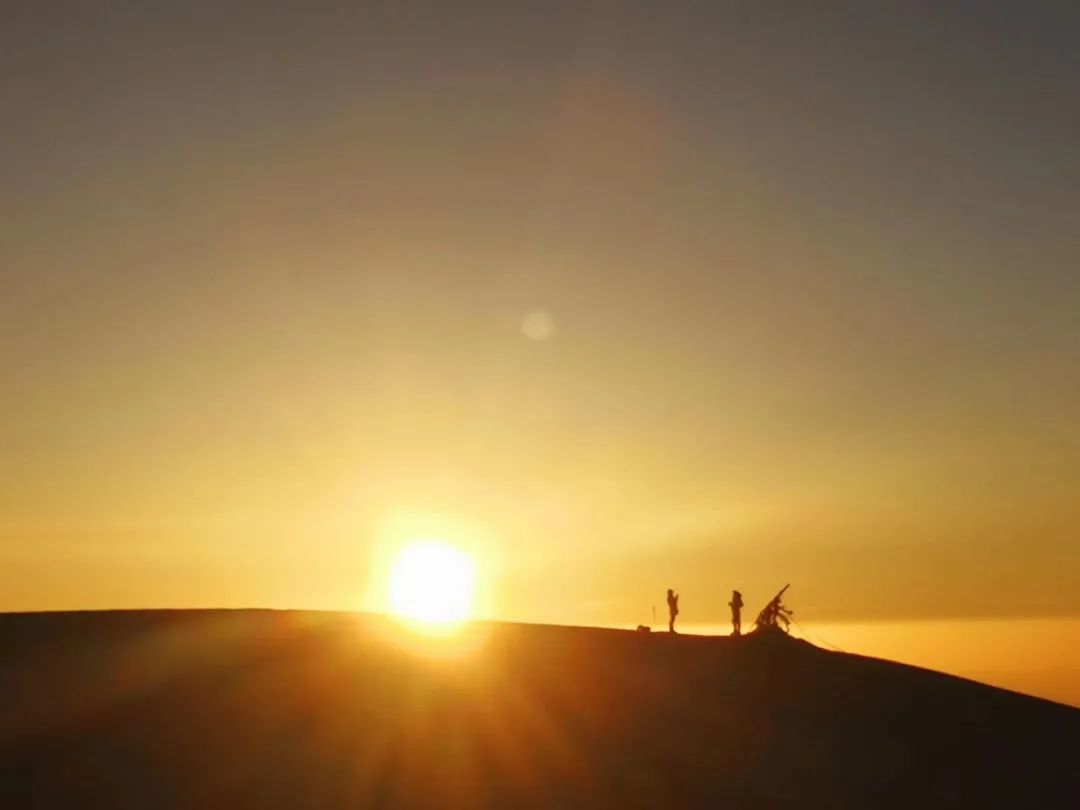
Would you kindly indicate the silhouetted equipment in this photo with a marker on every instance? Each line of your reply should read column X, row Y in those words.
column 775, row 616
column 641, row 628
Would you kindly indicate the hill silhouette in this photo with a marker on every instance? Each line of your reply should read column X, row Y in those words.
column 261, row 709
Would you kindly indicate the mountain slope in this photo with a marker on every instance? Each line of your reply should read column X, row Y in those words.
column 242, row 709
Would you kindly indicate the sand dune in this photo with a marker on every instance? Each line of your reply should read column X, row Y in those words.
column 239, row 709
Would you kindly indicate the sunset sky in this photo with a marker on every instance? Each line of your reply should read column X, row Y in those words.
column 614, row 296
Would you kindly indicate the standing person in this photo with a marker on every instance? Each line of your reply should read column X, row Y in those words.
column 736, row 613
column 672, row 608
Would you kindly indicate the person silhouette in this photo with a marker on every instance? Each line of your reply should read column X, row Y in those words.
column 736, row 613
column 673, row 609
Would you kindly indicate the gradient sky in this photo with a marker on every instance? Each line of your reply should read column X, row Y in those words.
column 621, row 296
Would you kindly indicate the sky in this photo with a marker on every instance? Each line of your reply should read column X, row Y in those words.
column 615, row 296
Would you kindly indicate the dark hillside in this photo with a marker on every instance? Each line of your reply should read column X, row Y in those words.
column 261, row 709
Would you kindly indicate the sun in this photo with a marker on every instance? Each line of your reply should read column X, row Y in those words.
column 433, row 583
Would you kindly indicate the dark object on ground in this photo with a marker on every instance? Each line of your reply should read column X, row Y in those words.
column 641, row 628
column 262, row 709
column 775, row 616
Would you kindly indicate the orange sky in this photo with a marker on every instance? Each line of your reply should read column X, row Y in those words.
column 621, row 298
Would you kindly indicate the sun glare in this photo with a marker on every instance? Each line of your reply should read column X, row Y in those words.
column 433, row 583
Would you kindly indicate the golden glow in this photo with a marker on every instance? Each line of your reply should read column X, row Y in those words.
column 432, row 583
column 596, row 352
